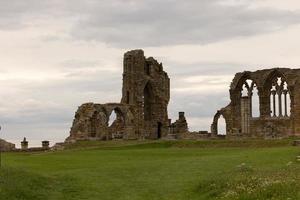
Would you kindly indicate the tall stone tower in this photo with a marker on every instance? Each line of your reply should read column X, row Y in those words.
column 146, row 86
column 142, row 112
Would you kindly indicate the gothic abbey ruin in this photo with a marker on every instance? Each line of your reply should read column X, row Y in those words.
column 143, row 110
column 278, row 97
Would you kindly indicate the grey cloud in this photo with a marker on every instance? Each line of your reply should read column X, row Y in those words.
column 35, row 133
column 134, row 23
column 179, row 69
column 158, row 23
column 80, row 63
column 45, row 110
column 16, row 14
column 197, row 105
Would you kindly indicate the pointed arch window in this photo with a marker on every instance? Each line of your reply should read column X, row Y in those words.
column 249, row 89
column 280, row 101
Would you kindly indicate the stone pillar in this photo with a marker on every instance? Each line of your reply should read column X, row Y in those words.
column 285, row 103
column 245, row 114
column 250, row 94
column 279, row 104
column 274, row 103
column 264, row 102
column 24, row 144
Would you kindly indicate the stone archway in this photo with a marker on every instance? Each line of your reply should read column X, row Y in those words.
column 116, row 123
column 98, row 123
column 159, row 130
column 215, row 128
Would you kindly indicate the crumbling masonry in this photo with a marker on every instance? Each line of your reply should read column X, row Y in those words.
column 142, row 112
column 278, row 104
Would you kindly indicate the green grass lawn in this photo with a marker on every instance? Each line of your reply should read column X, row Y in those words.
column 132, row 170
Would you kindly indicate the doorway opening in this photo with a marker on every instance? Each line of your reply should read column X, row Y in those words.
column 159, row 125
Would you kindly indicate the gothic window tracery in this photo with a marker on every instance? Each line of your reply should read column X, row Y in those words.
column 279, row 98
column 249, row 89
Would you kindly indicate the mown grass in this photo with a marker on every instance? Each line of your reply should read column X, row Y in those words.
column 185, row 170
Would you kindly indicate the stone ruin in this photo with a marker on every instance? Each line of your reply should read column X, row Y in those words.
column 143, row 114
column 24, row 146
column 143, row 110
column 6, row 146
column 9, row 147
column 278, row 104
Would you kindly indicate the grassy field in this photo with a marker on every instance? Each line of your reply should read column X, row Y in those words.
column 157, row 170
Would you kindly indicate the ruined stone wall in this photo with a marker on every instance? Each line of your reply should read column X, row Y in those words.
column 180, row 126
column 274, row 86
column 146, row 86
column 142, row 112
column 6, row 146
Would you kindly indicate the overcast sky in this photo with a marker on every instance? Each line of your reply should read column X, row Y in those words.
column 57, row 54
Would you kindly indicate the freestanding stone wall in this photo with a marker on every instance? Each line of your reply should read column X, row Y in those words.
column 279, row 104
column 6, row 146
column 142, row 112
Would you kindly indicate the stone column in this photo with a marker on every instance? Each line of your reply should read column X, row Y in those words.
column 245, row 115
column 285, row 103
column 274, row 106
column 264, row 102
column 250, row 94
column 279, row 104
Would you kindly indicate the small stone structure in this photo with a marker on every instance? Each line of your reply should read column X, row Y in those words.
column 24, row 144
column 6, row 146
column 142, row 112
column 180, row 126
column 45, row 144
column 278, row 100
column 25, row 148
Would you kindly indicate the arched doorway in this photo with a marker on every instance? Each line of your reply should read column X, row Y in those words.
column 159, row 126
column 116, row 124
column 97, row 123
column 221, row 126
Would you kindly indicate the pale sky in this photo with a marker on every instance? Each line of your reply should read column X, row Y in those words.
column 57, row 54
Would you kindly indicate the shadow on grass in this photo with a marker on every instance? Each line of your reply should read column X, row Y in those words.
column 16, row 184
